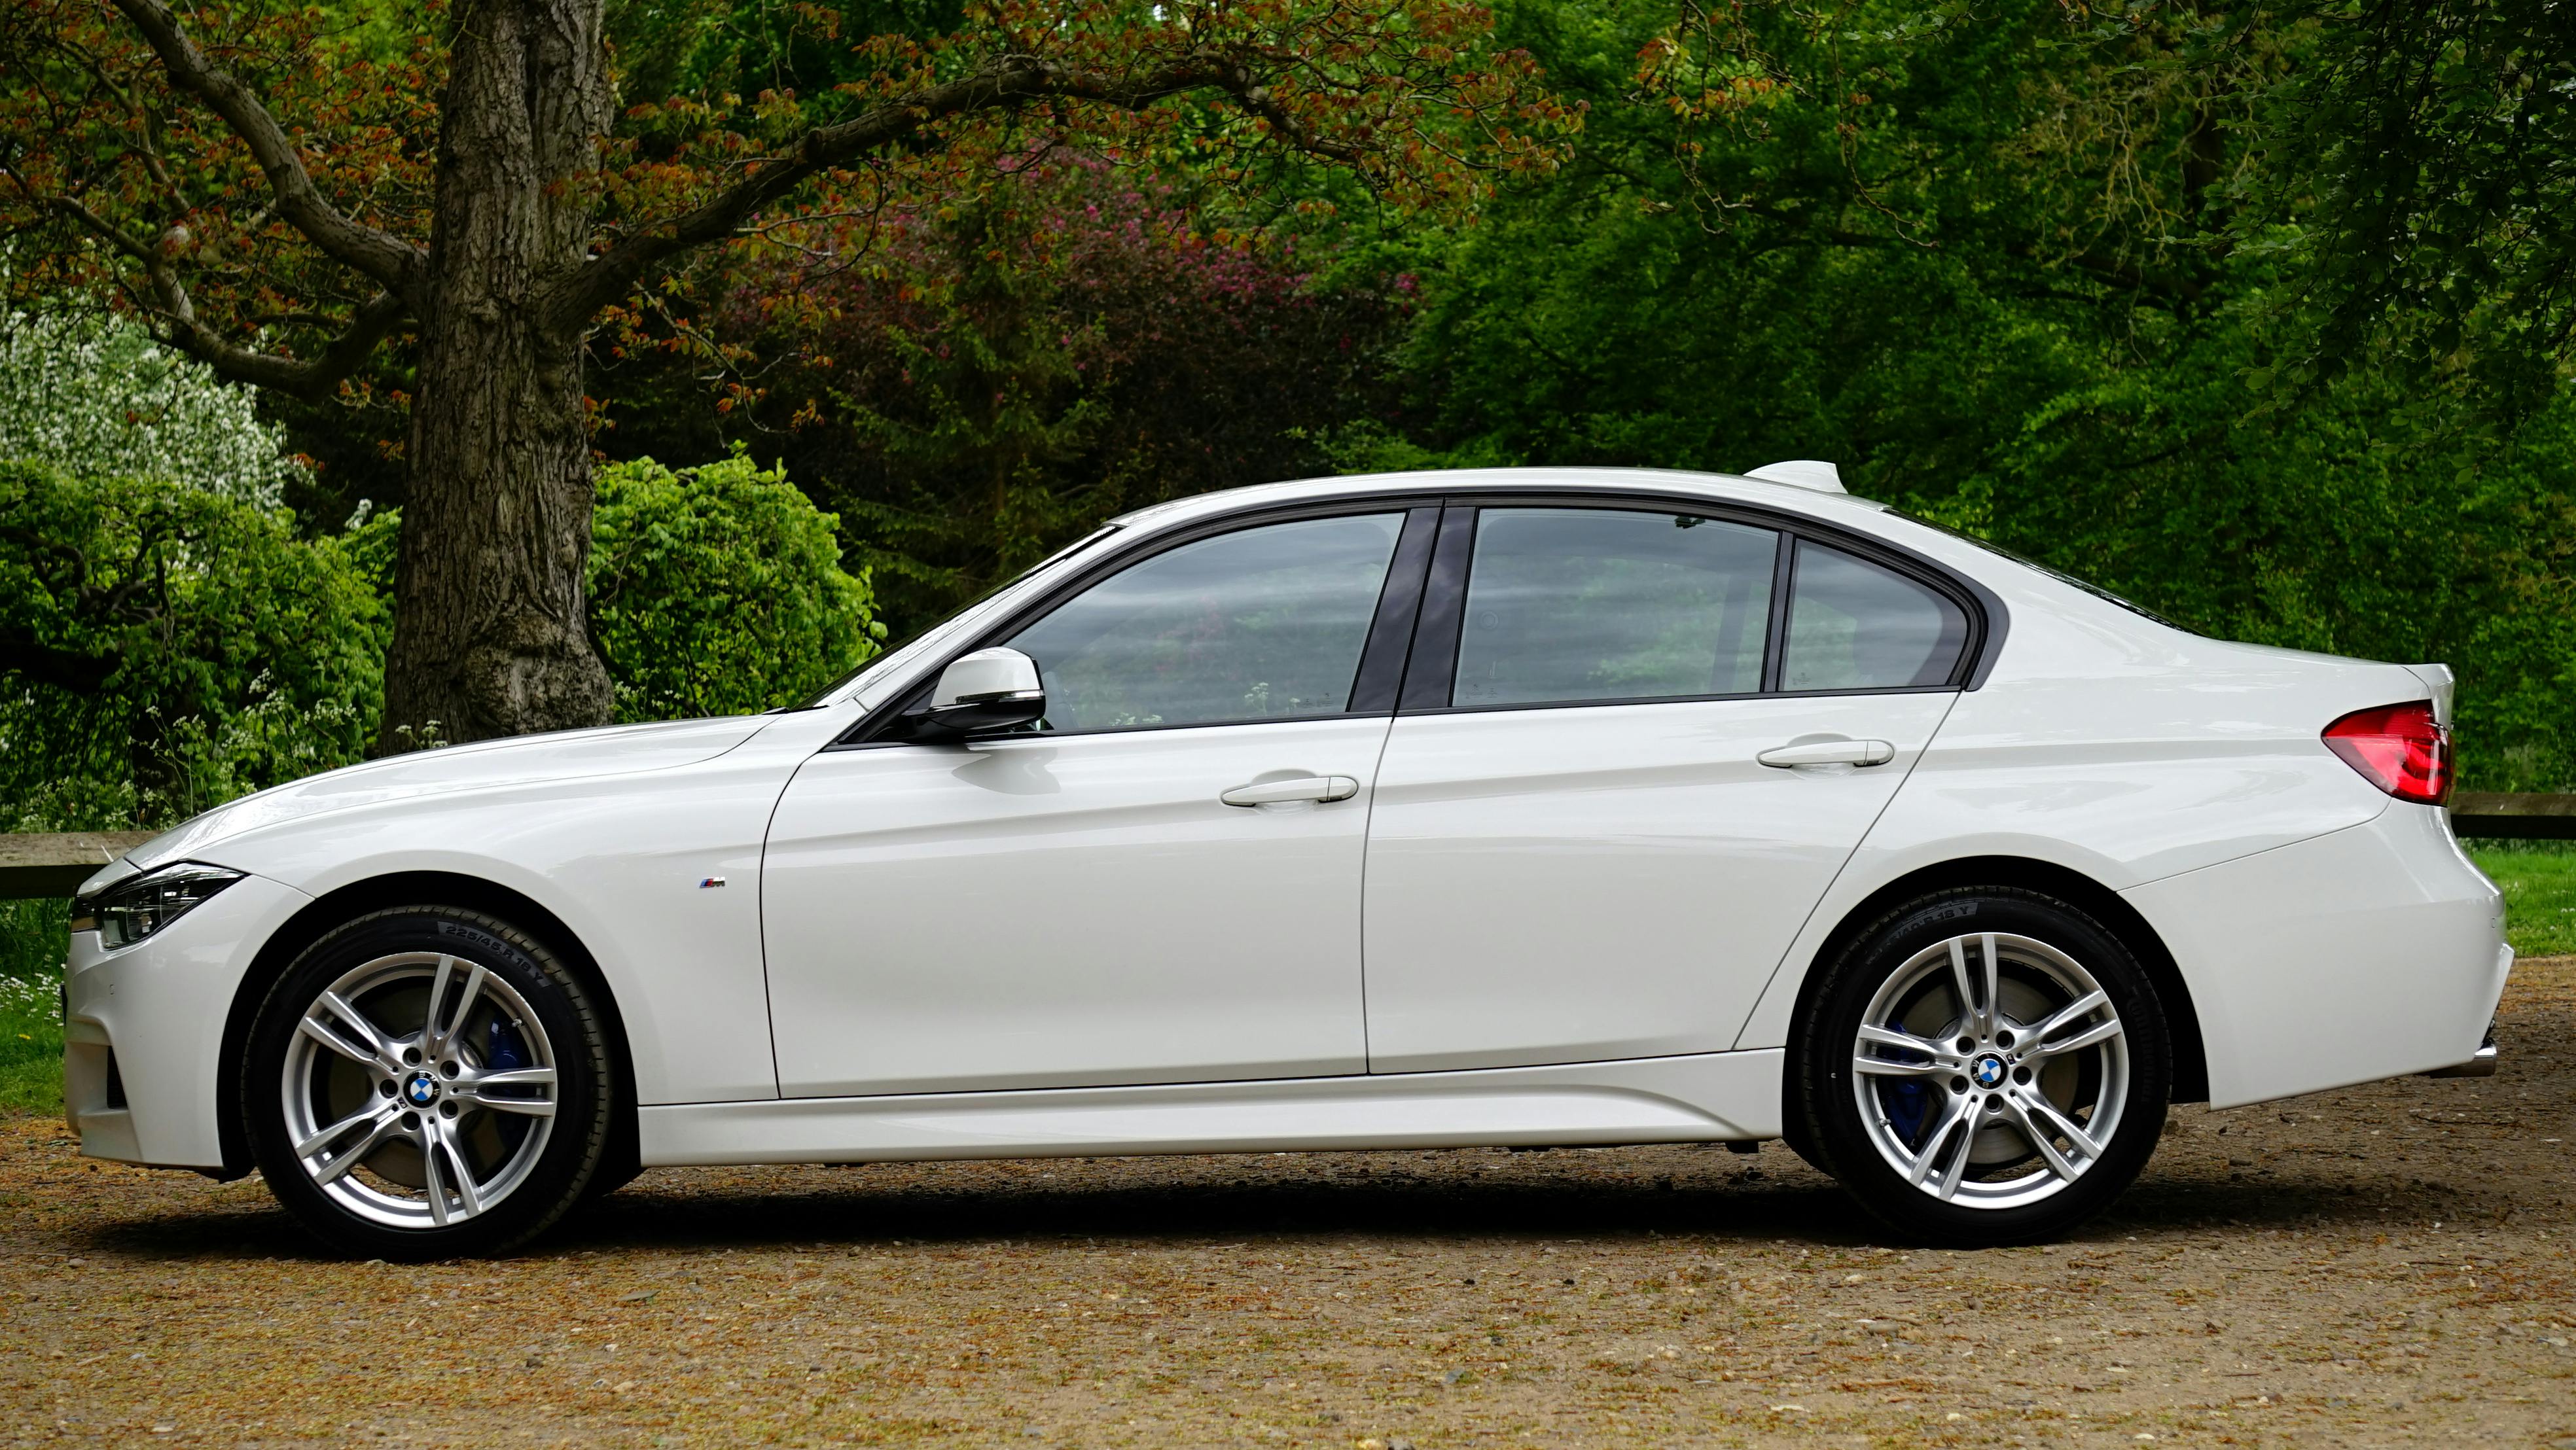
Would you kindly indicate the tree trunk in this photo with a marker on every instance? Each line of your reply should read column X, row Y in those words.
column 490, row 631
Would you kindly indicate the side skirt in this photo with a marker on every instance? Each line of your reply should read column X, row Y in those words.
column 1704, row 1098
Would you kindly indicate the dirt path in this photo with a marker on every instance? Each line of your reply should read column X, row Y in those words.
column 2380, row 1266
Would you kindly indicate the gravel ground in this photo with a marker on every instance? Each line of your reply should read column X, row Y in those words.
column 2380, row 1266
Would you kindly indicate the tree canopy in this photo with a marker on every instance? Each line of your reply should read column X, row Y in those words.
column 2259, row 315
column 285, row 196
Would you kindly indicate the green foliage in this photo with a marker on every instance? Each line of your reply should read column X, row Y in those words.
column 32, row 942
column 719, row 590
column 1002, row 374
column 170, row 648
column 2428, row 153
column 2012, row 273
column 740, row 48
column 97, row 394
column 2538, row 879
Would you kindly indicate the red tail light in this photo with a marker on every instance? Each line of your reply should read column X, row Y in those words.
column 2398, row 748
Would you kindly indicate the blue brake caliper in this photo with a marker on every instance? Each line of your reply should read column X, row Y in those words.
column 503, row 1050
column 1907, row 1101
column 1904, row 1099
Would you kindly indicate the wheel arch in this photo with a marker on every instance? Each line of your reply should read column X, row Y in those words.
column 2190, row 1049
column 407, row 888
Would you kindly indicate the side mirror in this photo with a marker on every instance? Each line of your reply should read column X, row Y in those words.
column 991, row 689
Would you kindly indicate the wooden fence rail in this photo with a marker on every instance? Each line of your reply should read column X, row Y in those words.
column 56, row 865
column 2524, row 817
column 53, row 865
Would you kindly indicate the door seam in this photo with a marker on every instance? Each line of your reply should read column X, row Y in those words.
column 1736, row 1043
column 1368, row 841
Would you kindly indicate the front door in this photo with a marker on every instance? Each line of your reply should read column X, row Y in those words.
column 1579, row 850
column 1081, row 905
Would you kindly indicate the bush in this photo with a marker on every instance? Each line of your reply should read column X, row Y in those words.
column 33, row 938
column 164, row 649
column 99, row 395
column 719, row 591
column 168, row 649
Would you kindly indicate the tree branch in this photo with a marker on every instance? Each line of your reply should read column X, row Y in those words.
column 390, row 261
column 310, row 378
column 22, row 654
column 1016, row 81
column 174, row 319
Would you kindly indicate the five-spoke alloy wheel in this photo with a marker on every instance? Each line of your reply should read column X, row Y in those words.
column 427, row 1082
column 1985, row 1066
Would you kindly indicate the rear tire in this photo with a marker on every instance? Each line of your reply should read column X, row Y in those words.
column 428, row 1082
column 1972, row 1107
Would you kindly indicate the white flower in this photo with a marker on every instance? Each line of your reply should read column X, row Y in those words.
column 98, row 395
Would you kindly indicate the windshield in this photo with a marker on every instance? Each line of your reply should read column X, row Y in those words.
column 904, row 646
column 2060, row 575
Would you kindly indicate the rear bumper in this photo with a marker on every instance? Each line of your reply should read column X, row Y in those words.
column 143, row 1028
column 2371, row 952
column 2482, row 1065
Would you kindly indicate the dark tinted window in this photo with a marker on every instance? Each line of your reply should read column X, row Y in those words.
column 1608, row 604
column 1259, row 624
column 1856, row 626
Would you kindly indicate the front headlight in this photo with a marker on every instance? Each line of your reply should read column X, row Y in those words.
column 135, row 908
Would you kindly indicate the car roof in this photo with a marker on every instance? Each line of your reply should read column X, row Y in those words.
column 1716, row 487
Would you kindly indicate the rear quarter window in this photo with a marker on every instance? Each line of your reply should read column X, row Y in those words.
column 1856, row 625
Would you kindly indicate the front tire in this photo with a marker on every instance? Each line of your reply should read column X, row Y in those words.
column 1984, row 1066
column 428, row 1082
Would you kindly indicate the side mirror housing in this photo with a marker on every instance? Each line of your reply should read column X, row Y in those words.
column 989, row 690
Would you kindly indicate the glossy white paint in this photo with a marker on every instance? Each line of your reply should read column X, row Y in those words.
column 999, row 937
column 1607, row 881
column 987, row 674
column 1069, row 910
column 1714, row 1098
column 617, row 858
column 2114, row 747
column 1812, row 473
column 160, row 1007
column 2356, row 955
column 412, row 780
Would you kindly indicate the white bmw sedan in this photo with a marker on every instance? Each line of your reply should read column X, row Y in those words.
column 1508, row 807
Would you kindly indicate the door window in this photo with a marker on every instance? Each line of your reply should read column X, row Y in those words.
column 1856, row 626
column 1264, row 623
column 1611, row 604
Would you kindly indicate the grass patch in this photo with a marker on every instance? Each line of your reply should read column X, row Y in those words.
column 2538, row 879
column 33, row 937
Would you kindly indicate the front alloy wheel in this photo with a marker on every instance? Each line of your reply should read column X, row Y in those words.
column 1986, row 1067
column 428, row 1082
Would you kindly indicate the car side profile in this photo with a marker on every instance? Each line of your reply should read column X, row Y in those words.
column 1523, row 806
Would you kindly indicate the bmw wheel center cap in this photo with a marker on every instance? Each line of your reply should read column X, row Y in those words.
column 421, row 1090
column 1988, row 1071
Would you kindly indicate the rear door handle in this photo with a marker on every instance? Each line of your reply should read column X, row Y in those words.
column 1828, row 752
column 1281, row 792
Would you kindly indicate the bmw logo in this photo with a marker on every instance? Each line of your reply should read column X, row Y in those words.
column 422, row 1090
column 1988, row 1071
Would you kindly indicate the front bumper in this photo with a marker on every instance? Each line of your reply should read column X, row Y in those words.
column 143, row 1028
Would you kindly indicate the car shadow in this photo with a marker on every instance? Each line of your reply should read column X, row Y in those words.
column 1429, row 1208
column 681, row 1212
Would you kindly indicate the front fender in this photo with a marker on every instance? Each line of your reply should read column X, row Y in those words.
column 659, row 882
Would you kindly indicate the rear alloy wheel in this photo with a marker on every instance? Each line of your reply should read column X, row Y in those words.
column 428, row 1082
column 1986, row 1067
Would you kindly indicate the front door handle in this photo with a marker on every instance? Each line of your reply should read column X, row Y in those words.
column 1281, row 792
column 1828, row 752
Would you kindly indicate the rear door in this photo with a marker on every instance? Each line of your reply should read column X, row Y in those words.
column 1579, row 850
